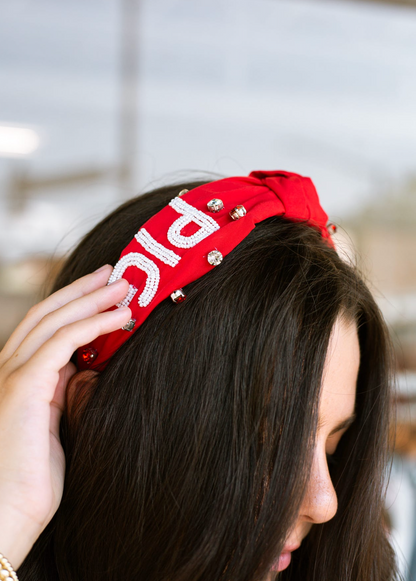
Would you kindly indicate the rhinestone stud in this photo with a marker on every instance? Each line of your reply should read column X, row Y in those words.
column 238, row 212
column 182, row 192
column 89, row 355
column 129, row 326
column 215, row 257
column 332, row 228
column 178, row 296
column 215, row 205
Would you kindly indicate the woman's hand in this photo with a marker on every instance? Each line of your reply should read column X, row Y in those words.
column 34, row 371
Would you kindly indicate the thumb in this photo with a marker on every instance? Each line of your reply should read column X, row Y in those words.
column 58, row 401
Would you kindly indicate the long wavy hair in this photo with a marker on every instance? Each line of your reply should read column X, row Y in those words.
column 188, row 457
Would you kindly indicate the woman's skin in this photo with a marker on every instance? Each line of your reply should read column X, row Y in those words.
column 35, row 370
column 336, row 413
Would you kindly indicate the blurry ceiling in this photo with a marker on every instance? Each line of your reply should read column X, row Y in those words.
column 397, row 2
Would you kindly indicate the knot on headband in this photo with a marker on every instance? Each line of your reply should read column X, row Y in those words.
column 192, row 234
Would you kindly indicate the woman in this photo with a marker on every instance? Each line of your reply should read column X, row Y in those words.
column 228, row 420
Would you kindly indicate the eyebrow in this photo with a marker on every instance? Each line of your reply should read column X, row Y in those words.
column 344, row 425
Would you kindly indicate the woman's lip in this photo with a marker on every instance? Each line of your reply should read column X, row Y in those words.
column 284, row 558
column 282, row 562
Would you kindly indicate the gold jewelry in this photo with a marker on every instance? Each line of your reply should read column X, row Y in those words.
column 7, row 572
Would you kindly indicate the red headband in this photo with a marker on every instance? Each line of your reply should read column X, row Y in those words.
column 192, row 234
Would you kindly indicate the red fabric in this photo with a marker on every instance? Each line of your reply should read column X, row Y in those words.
column 262, row 193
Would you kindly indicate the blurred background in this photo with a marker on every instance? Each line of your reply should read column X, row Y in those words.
column 103, row 99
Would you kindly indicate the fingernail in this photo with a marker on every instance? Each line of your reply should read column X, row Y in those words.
column 101, row 268
column 118, row 281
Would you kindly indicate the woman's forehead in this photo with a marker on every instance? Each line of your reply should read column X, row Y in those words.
column 340, row 374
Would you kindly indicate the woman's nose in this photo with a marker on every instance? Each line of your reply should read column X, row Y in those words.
column 320, row 503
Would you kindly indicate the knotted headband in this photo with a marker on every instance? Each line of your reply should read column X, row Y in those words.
column 191, row 235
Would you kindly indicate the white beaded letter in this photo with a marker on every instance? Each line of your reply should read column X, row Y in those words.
column 143, row 263
column 129, row 297
column 189, row 214
column 151, row 245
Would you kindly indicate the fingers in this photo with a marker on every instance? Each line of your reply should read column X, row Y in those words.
column 41, row 372
column 80, row 308
column 77, row 289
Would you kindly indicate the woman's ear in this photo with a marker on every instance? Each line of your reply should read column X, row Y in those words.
column 78, row 391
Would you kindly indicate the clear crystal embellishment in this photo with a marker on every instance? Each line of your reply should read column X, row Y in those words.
column 215, row 205
column 215, row 257
column 129, row 326
column 238, row 212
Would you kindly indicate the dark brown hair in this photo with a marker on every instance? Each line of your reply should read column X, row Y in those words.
column 189, row 459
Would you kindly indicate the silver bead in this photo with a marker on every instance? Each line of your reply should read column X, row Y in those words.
column 129, row 326
column 215, row 205
column 215, row 257
column 182, row 192
column 178, row 296
column 238, row 212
